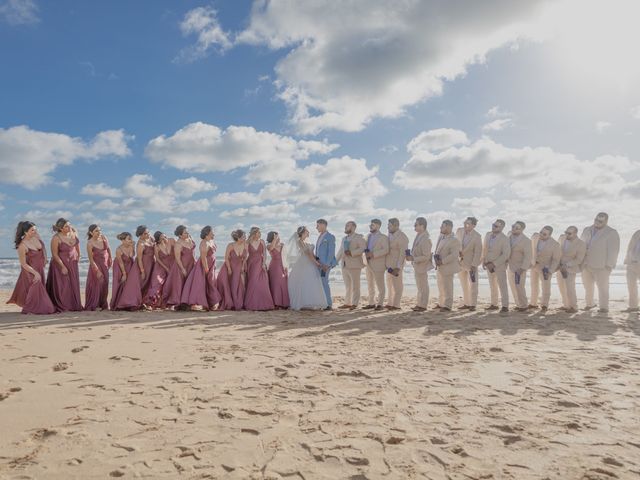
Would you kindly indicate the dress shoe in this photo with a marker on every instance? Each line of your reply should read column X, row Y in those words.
column 391, row 307
column 344, row 306
column 368, row 307
column 329, row 308
column 472, row 308
column 464, row 307
column 522, row 309
column 570, row 310
column 504, row 310
column 353, row 307
column 544, row 308
column 631, row 310
column 445, row 309
column 378, row 308
column 418, row 309
column 492, row 307
column 532, row 307
column 603, row 310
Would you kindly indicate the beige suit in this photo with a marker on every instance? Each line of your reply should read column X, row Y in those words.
column 470, row 258
column 519, row 260
column 448, row 248
column 632, row 261
column 422, row 263
column 398, row 244
column 603, row 247
column 496, row 250
column 572, row 255
column 376, row 267
column 352, row 266
column 543, row 256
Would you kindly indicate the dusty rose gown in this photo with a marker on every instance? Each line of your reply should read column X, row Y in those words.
column 200, row 288
column 127, row 295
column 64, row 290
column 278, row 279
column 232, row 289
column 97, row 289
column 172, row 291
column 148, row 261
column 258, row 295
column 33, row 297
column 158, row 279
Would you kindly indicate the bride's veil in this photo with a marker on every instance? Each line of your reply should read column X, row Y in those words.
column 292, row 251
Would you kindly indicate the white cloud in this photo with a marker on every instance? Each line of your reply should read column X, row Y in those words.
column 200, row 147
column 203, row 23
column 474, row 205
column 279, row 211
column 438, row 139
column 497, row 112
column 100, row 190
column 236, row 198
column 601, row 126
column 350, row 62
column 497, row 125
column 635, row 112
column 19, row 12
column 106, row 204
column 28, row 157
column 188, row 187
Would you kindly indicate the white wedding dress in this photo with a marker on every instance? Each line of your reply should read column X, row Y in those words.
column 305, row 286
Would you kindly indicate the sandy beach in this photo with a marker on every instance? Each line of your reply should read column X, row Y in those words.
column 326, row 395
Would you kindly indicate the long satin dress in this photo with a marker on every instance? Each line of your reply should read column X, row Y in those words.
column 278, row 280
column 232, row 287
column 33, row 297
column 200, row 288
column 258, row 295
column 64, row 290
column 97, row 289
column 159, row 278
column 148, row 261
column 127, row 295
column 172, row 291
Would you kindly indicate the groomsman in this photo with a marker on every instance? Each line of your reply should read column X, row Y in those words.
column 470, row 259
column 420, row 258
column 603, row 246
column 495, row 255
column 326, row 254
column 573, row 251
column 446, row 257
column 398, row 249
column 350, row 257
column 632, row 261
column 519, row 262
column 376, row 254
column 546, row 258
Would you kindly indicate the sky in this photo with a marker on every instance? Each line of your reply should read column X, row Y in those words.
column 234, row 113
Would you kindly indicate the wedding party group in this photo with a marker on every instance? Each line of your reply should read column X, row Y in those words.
column 159, row 272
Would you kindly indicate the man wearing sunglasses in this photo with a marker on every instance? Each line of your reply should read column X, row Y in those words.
column 519, row 263
column 546, row 258
column 573, row 250
column 470, row 258
column 495, row 253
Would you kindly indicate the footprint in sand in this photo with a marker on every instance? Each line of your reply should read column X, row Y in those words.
column 58, row 367
column 79, row 349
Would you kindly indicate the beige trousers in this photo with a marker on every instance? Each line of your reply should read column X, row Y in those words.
column 567, row 287
column 445, row 289
column 633, row 275
column 537, row 279
column 519, row 291
column 375, row 280
column 498, row 282
column 351, row 278
column 395, row 287
column 600, row 278
column 469, row 288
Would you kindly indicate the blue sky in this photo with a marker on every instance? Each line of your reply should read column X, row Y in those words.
column 274, row 114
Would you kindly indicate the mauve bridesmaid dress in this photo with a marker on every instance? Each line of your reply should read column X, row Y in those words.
column 127, row 295
column 172, row 291
column 232, row 289
column 97, row 289
column 64, row 290
column 200, row 288
column 278, row 279
column 258, row 295
column 33, row 297
column 148, row 261
column 159, row 278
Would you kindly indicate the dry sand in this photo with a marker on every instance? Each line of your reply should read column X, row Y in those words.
column 319, row 395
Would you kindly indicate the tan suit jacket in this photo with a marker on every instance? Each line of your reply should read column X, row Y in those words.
column 380, row 250
column 572, row 254
column 357, row 244
column 548, row 257
column 520, row 258
column 421, row 253
column 498, row 253
column 602, row 251
column 398, row 244
column 632, row 256
column 471, row 255
column 449, row 250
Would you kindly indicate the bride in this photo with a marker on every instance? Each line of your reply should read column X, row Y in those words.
column 305, row 286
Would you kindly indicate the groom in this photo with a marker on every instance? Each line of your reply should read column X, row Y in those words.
column 326, row 255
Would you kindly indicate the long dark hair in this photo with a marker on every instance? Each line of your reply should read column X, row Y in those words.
column 271, row 236
column 59, row 225
column 92, row 227
column 140, row 230
column 21, row 231
column 157, row 235
column 205, row 231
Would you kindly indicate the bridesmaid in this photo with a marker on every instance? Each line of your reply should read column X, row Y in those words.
column 278, row 275
column 145, row 255
column 163, row 251
column 231, row 283
column 200, row 288
column 184, row 262
column 126, row 294
column 63, row 280
column 97, row 287
column 30, row 293
column 258, row 295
